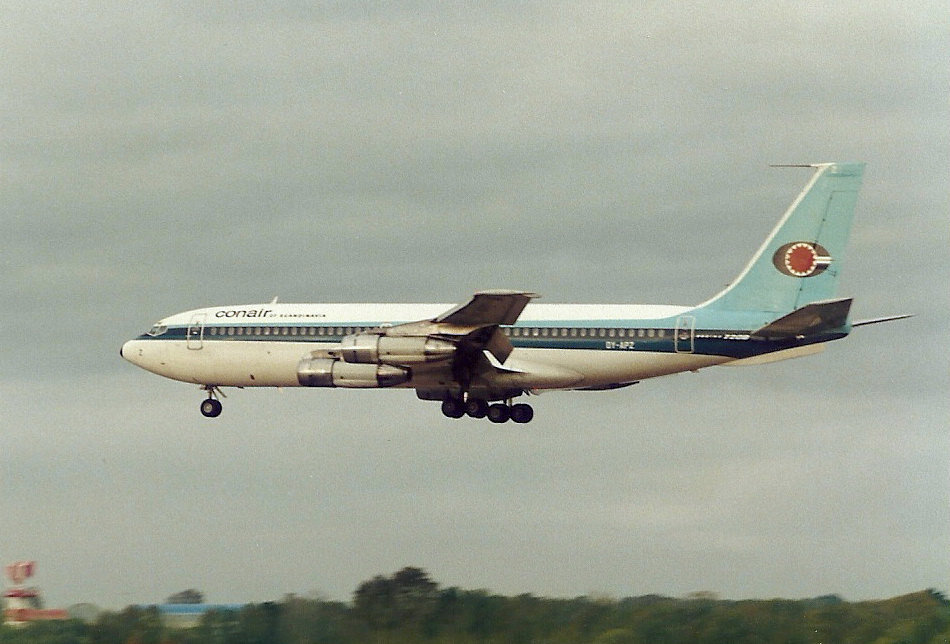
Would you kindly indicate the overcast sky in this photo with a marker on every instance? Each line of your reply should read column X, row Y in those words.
column 158, row 157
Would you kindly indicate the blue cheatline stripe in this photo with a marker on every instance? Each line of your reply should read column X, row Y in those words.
column 734, row 343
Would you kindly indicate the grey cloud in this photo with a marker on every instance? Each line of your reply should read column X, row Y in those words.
column 160, row 158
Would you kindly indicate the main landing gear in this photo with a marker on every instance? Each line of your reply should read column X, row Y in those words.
column 211, row 406
column 496, row 413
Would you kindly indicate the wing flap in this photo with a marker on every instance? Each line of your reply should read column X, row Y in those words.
column 499, row 345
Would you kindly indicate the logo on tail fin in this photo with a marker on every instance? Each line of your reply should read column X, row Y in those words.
column 801, row 259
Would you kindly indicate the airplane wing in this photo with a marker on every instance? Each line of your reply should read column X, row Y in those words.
column 487, row 308
column 473, row 326
column 478, row 319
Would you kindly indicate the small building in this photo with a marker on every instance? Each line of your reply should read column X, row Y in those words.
column 189, row 615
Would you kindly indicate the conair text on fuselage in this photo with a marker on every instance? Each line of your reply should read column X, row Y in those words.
column 244, row 313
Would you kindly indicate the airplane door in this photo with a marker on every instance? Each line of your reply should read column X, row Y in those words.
column 194, row 336
column 684, row 334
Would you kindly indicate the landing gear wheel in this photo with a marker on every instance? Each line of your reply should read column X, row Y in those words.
column 476, row 407
column 453, row 408
column 211, row 408
column 499, row 413
column 521, row 413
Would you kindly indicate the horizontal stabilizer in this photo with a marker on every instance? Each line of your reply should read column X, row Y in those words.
column 810, row 319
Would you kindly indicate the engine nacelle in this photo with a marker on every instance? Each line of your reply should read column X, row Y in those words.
column 370, row 348
column 329, row 372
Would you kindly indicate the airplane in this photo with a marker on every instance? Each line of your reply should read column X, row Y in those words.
column 477, row 357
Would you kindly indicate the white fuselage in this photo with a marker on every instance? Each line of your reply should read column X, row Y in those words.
column 567, row 346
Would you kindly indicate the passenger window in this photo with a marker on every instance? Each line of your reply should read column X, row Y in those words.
column 583, row 333
column 612, row 333
column 651, row 333
column 574, row 333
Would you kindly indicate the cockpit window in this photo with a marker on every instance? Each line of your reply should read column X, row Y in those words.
column 157, row 330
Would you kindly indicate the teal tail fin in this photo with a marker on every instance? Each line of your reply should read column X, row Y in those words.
column 801, row 260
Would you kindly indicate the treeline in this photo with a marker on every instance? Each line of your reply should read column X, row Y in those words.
column 408, row 607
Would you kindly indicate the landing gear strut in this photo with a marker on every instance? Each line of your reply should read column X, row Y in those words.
column 211, row 406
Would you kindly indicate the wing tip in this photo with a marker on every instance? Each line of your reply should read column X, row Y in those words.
column 506, row 292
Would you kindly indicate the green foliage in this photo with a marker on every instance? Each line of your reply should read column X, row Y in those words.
column 133, row 625
column 69, row 631
column 408, row 597
column 408, row 607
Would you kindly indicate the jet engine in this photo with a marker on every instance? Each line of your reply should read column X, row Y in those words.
column 372, row 348
column 330, row 372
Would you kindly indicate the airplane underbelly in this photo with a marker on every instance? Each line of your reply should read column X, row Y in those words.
column 602, row 367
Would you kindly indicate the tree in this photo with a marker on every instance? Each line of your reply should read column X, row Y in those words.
column 408, row 597
column 132, row 624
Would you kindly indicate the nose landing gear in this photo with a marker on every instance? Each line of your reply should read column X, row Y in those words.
column 211, row 406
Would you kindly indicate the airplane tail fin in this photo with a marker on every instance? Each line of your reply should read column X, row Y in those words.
column 801, row 260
